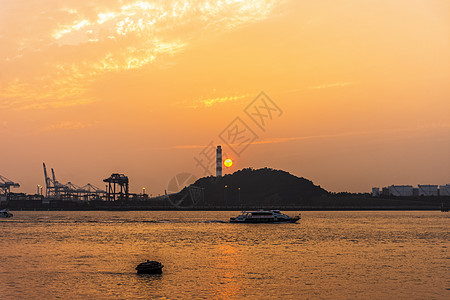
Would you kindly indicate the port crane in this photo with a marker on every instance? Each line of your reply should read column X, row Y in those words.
column 6, row 184
column 69, row 191
column 53, row 188
column 118, row 187
column 90, row 188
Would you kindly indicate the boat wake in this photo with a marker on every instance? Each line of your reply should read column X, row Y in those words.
column 109, row 222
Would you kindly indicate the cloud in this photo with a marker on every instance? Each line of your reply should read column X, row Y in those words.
column 331, row 85
column 188, row 147
column 211, row 101
column 310, row 137
column 70, row 43
column 66, row 125
column 420, row 127
column 322, row 86
column 283, row 139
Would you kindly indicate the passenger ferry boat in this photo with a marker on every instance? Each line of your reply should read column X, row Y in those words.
column 264, row 216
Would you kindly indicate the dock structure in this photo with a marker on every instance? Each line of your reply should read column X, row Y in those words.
column 118, row 187
column 69, row 191
column 6, row 185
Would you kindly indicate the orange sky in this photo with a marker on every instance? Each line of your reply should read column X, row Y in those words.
column 142, row 87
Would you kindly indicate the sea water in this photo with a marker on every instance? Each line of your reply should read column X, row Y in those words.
column 331, row 255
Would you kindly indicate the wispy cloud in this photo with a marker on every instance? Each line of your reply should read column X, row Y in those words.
column 331, row 85
column 74, row 43
column 310, row 137
column 211, row 101
column 66, row 125
column 321, row 86
column 282, row 139
column 187, row 147
column 423, row 127
column 218, row 100
column 420, row 127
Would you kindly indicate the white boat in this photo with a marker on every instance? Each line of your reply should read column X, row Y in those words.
column 4, row 213
column 264, row 216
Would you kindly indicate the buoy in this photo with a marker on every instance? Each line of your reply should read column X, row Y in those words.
column 150, row 267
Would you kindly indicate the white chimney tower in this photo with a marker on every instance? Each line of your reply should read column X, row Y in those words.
column 219, row 161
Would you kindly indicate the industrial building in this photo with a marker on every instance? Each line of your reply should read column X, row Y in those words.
column 428, row 190
column 425, row 190
column 401, row 190
column 444, row 190
column 375, row 191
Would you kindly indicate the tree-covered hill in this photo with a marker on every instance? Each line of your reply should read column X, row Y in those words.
column 260, row 187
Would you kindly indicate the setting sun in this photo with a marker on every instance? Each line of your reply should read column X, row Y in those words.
column 228, row 162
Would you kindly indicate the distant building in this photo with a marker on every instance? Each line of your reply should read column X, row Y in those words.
column 444, row 190
column 401, row 190
column 375, row 192
column 410, row 191
column 428, row 190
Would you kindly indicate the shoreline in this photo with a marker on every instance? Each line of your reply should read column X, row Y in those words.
column 240, row 209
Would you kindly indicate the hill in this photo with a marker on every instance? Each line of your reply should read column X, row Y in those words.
column 259, row 188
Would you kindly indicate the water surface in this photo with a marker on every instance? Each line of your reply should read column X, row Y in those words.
column 364, row 255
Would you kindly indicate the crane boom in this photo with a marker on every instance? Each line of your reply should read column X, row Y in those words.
column 6, row 184
column 47, row 180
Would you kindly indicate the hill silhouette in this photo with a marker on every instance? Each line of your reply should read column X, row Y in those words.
column 259, row 188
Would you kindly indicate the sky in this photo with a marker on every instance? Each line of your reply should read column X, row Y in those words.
column 349, row 94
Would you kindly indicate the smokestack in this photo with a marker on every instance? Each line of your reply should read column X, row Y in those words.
column 219, row 161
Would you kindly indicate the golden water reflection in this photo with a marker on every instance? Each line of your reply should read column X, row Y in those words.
column 327, row 255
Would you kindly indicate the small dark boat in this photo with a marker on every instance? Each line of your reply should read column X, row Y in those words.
column 150, row 267
column 4, row 213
